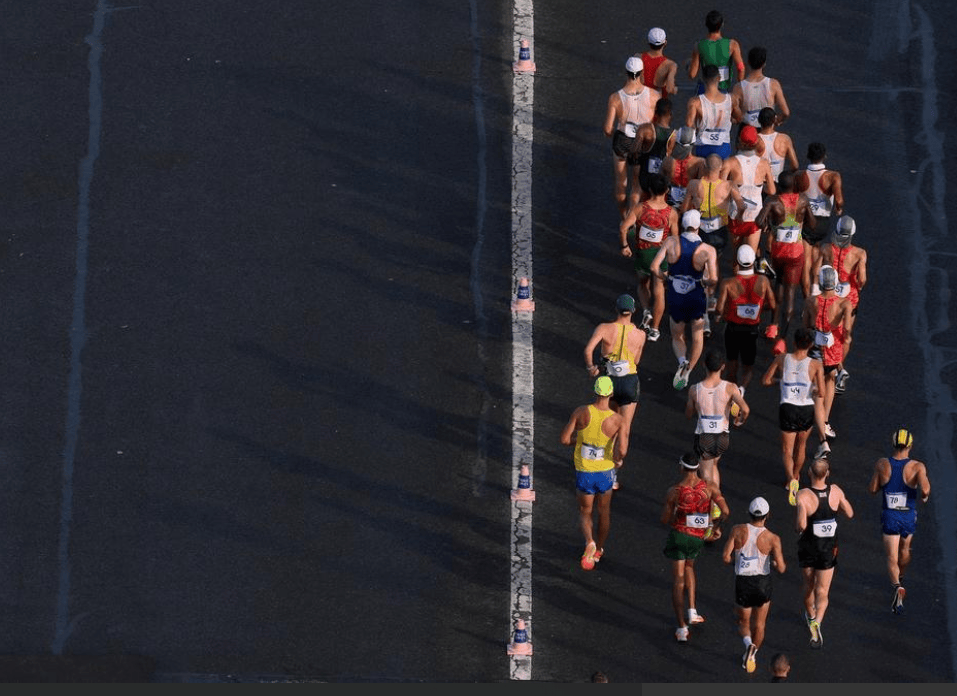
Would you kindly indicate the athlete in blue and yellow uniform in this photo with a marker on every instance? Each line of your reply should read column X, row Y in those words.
column 600, row 438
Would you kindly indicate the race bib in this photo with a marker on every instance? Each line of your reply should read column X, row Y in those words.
column 842, row 289
column 591, row 452
column 788, row 235
column 682, row 284
column 819, row 207
column 714, row 136
column 654, row 165
column 753, row 118
column 617, row 368
column 748, row 311
column 678, row 193
column 697, row 520
column 711, row 224
column 646, row 234
column 724, row 72
column 824, row 338
column 631, row 129
column 710, row 424
column 746, row 563
column 824, row 529
column 896, row 501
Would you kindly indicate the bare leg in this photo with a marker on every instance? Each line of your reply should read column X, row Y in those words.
column 678, row 591
column 585, row 507
column 621, row 186
column 904, row 557
column 604, row 518
column 821, row 590
column 697, row 342
column 791, row 470
column 658, row 288
column 678, row 344
column 760, row 620
column 691, row 583
column 892, row 544
column 799, row 453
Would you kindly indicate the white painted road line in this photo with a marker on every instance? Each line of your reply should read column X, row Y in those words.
column 523, row 422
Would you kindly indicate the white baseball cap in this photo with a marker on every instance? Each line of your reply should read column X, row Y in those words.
column 759, row 507
column 691, row 219
column 745, row 256
column 634, row 65
column 657, row 36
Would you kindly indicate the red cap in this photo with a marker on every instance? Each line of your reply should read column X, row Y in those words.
column 749, row 135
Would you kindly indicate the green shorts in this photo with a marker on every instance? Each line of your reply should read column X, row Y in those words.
column 682, row 547
column 644, row 257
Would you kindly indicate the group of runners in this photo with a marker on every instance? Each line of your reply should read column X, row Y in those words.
column 726, row 182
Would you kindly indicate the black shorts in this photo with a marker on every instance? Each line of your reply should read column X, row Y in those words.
column 752, row 590
column 795, row 419
column 718, row 239
column 813, row 556
column 625, row 148
column 627, row 390
column 821, row 230
column 741, row 342
column 711, row 446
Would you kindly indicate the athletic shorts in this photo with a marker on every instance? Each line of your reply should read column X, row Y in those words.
column 723, row 151
column 899, row 522
column 741, row 342
column 624, row 148
column 752, row 590
column 682, row 547
column 594, row 482
column 643, row 259
column 711, row 445
column 811, row 557
column 788, row 261
column 820, row 232
column 718, row 239
column 685, row 308
column 795, row 419
column 627, row 389
column 743, row 228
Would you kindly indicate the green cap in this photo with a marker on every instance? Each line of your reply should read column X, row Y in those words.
column 603, row 386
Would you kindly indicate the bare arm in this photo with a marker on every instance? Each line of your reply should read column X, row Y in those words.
column 694, row 63
column 574, row 423
column 736, row 397
column 769, row 374
column 923, row 482
column 718, row 499
column 777, row 554
column 862, row 270
column 611, row 115
column 668, row 509
column 590, row 347
column 694, row 105
column 690, row 403
column 730, row 545
column 777, row 95
column 837, row 190
column 800, row 521
column 844, row 505
column 878, row 478
column 791, row 154
column 738, row 60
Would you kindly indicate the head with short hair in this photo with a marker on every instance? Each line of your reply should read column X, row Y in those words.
column 766, row 117
column 657, row 184
column 710, row 74
column 757, row 57
column 689, row 462
column 663, row 107
column 803, row 338
column 714, row 21
column 714, row 361
column 819, row 469
column 713, row 162
column 816, row 152
column 786, row 182
column 780, row 664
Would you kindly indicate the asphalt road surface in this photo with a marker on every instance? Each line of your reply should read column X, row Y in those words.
column 257, row 348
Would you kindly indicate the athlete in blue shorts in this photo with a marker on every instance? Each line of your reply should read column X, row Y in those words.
column 898, row 479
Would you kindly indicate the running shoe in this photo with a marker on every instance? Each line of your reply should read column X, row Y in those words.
column 817, row 638
column 598, row 554
column 765, row 268
column 793, row 487
column 771, row 331
column 646, row 319
column 681, row 376
column 829, row 432
column 588, row 558
column 780, row 347
column 694, row 617
column 840, row 383
column 681, row 635
column 823, row 451
column 707, row 325
column 748, row 661
column 897, row 605
column 653, row 334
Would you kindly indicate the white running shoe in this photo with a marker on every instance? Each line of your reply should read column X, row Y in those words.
column 681, row 376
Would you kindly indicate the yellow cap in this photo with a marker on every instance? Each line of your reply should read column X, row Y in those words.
column 604, row 386
column 902, row 438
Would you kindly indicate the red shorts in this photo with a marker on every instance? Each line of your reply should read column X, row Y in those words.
column 742, row 229
column 788, row 261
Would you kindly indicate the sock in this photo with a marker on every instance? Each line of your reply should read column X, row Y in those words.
column 747, row 641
